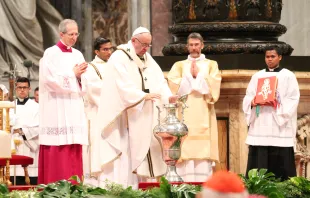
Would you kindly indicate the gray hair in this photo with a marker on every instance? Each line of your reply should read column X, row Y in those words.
column 195, row 35
column 63, row 24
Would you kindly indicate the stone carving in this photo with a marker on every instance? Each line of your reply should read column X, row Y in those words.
column 211, row 9
column 110, row 20
column 302, row 154
column 179, row 10
column 253, row 10
column 226, row 25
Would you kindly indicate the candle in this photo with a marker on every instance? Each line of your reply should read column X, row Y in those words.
column 7, row 104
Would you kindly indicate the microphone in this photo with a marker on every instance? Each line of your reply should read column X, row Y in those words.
column 27, row 63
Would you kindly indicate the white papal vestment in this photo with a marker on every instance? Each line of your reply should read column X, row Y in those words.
column 125, row 120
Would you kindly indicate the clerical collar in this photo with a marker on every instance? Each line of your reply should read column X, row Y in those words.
column 201, row 57
column 99, row 60
column 63, row 47
column 141, row 57
column 277, row 69
column 22, row 101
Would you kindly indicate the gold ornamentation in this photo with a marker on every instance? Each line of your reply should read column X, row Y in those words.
column 232, row 10
column 192, row 14
column 268, row 9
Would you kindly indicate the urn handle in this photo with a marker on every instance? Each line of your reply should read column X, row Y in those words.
column 183, row 100
column 159, row 111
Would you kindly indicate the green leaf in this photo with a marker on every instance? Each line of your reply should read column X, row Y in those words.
column 75, row 178
column 252, row 173
column 4, row 189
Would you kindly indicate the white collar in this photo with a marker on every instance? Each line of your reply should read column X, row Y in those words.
column 200, row 58
column 98, row 60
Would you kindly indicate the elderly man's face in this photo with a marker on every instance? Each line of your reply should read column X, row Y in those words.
column 141, row 43
column 70, row 36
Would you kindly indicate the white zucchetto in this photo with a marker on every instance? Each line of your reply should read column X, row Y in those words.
column 140, row 30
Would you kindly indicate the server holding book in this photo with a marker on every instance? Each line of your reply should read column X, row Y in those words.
column 270, row 108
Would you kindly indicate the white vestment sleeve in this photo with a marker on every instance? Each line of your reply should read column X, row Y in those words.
column 31, row 132
column 185, row 85
column 188, row 84
column 92, row 84
column 288, row 101
column 125, row 86
column 200, row 85
column 58, row 81
column 250, row 94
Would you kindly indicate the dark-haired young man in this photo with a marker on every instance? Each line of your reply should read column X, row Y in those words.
column 92, row 82
column 26, row 130
column 272, row 130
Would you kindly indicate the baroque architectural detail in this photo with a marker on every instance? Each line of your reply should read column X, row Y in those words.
column 227, row 26
column 179, row 49
column 302, row 154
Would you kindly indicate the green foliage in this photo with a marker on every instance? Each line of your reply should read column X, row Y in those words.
column 3, row 189
column 258, row 182
column 295, row 187
column 262, row 182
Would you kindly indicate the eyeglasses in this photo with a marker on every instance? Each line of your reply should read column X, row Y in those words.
column 20, row 88
column 108, row 49
column 144, row 44
column 72, row 34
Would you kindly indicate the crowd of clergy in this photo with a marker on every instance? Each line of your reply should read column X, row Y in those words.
column 96, row 119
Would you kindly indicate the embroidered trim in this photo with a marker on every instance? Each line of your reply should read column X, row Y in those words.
column 97, row 71
column 125, row 53
column 149, row 160
column 61, row 130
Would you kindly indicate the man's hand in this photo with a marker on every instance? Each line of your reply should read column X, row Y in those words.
column 194, row 69
column 80, row 69
column 17, row 131
column 152, row 96
column 253, row 104
column 173, row 99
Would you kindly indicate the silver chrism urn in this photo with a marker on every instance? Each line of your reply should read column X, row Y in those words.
column 171, row 134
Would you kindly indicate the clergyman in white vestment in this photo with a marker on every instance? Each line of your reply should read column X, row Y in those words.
column 63, row 124
column 25, row 124
column 92, row 83
column 200, row 78
column 126, row 151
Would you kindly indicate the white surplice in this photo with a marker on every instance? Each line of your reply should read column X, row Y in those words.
column 92, row 84
column 62, row 116
column 27, row 118
column 125, row 121
column 195, row 170
column 273, row 127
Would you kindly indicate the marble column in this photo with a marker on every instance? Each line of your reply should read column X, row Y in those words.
column 139, row 15
column 161, row 20
column 88, row 31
